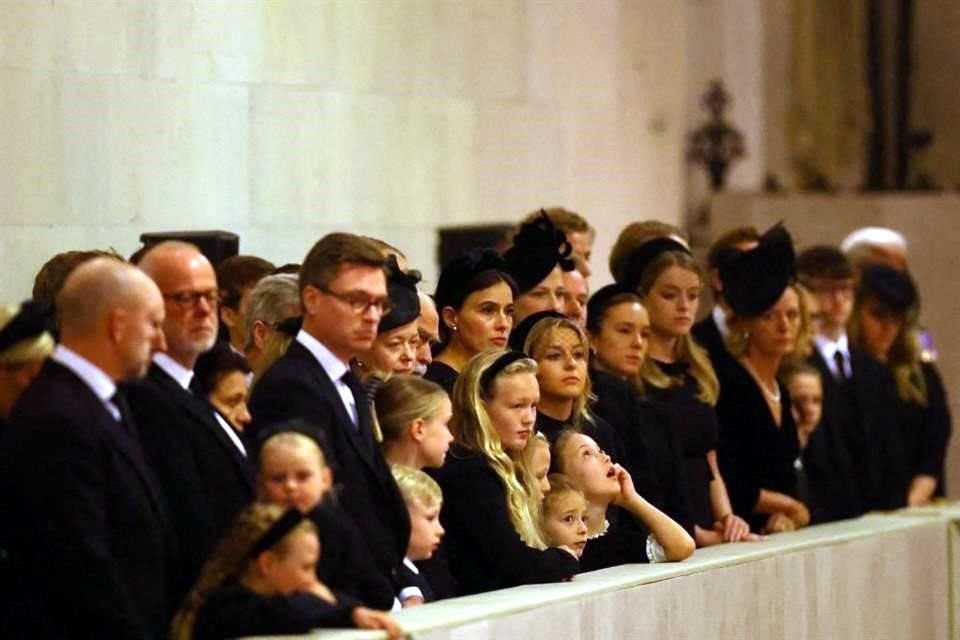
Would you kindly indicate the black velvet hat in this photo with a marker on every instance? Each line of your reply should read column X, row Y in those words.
column 754, row 280
column 456, row 279
column 518, row 336
column 597, row 303
column 402, row 289
column 642, row 256
column 893, row 289
column 537, row 248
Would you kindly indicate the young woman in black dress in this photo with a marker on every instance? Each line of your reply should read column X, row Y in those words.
column 619, row 330
column 678, row 374
column 758, row 437
column 491, row 502
column 475, row 299
column 884, row 324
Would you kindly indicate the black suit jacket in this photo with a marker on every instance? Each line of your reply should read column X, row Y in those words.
column 89, row 538
column 297, row 386
column 707, row 335
column 204, row 477
column 853, row 455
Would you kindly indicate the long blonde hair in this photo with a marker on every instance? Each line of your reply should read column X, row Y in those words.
column 473, row 429
column 687, row 350
column 542, row 331
column 231, row 559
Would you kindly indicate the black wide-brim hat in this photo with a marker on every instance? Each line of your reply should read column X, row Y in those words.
column 893, row 289
column 402, row 290
column 754, row 280
column 537, row 249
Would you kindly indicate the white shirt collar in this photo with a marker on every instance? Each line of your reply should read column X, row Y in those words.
column 720, row 318
column 99, row 382
column 234, row 438
column 409, row 564
column 174, row 369
column 828, row 347
column 333, row 365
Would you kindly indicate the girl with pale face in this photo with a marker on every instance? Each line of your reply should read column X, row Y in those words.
column 620, row 341
column 293, row 472
column 536, row 455
column 806, row 396
column 414, row 416
column 513, row 409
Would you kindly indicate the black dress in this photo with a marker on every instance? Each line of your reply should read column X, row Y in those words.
column 925, row 430
column 235, row 611
column 597, row 428
column 483, row 549
column 625, row 542
column 651, row 451
column 754, row 453
column 443, row 374
column 695, row 426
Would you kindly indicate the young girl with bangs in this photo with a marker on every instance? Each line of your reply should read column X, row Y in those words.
column 261, row 579
column 633, row 530
column 678, row 375
column 491, row 501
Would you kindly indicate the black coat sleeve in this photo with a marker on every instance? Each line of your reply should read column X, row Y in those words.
column 625, row 542
column 481, row 536
column 936, row 429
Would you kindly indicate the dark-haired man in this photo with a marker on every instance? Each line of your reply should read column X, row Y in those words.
column 343, row 292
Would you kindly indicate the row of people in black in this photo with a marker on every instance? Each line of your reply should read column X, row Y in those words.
column 581, row 434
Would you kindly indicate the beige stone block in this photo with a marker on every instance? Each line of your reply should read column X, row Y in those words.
column 28, row 34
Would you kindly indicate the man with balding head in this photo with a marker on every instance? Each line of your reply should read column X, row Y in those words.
column 200, row 461
column 85, row 523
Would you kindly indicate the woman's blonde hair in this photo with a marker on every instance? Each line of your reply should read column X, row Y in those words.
column 416, row 486
column 904, row 356
column 473, row 429
column 542, row 331
column 232, row 559
column 403, row 399
column 687, row 350
column 561, row 485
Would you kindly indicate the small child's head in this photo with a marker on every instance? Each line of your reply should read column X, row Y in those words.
column 564, row 515
column 423, row 498
column 580, row 458
column 536, row 457
column 293, row 471
column 414, row 411
column 806, row 397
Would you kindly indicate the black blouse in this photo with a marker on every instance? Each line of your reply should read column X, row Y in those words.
column 695, row 425
column 235, row 611
column 651, row 451
column 625, row 542
column 483, row 549
column 443, row 374
column 597, row 428
column 754, row 453
column 926, row 430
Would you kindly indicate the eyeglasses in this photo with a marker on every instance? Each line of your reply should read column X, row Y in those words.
column 189, row 299
column 359, row 303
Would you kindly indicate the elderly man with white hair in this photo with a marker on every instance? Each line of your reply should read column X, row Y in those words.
column 876, row 245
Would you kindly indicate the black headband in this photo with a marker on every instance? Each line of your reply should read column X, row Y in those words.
column 290, row 326
column 501, row 363
column 287, row 523
column 640, row 258
column 29, row 322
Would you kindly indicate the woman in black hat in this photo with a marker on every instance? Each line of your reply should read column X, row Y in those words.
column 475, row 299
column 395, row 349
column 758, row 436
column 539, row 256
column 884, row 324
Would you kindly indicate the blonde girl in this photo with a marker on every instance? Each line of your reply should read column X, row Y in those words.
column 261, row 579
column 491, row 504
column 414, row 415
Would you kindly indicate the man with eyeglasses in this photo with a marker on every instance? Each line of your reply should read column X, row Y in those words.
column 846, row 473
column 200, row 461
column 343, row 293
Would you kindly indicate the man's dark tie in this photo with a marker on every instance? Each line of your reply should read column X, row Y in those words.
column 840, row 361
column 119, row 400
column 361, row 404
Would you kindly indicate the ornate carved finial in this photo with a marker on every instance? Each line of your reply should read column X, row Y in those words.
column 716, row 144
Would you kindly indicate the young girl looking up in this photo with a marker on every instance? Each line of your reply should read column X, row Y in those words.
column 261, row 579
column 536, row 457
column 639, row 532
column 564, row 517
column 490, row 509
column 294, row 472
column 423, row 498
column 413, row 414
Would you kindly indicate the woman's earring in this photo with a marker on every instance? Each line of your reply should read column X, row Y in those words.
column 453, row 327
